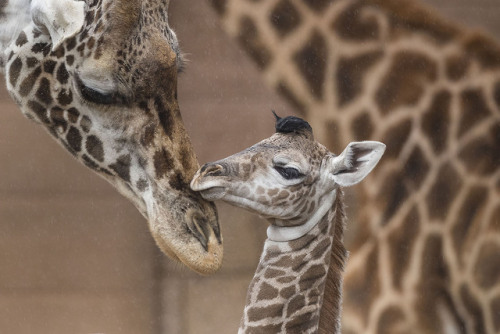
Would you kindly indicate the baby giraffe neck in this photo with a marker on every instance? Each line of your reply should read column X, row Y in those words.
column 297, row 285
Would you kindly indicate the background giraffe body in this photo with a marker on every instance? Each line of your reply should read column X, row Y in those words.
column 295, row 183
column 424, row 249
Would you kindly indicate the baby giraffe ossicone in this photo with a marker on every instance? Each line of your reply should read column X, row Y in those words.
column 296, row 184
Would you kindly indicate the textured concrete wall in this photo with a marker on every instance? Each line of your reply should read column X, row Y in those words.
column 75, row 257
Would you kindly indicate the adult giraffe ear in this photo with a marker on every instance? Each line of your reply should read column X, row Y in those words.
column 61, row 19
column 355, row 162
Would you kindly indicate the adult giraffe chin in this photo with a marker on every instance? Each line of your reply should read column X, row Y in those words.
column 101, row 77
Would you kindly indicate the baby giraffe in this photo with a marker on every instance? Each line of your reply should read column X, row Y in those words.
column 296, row 184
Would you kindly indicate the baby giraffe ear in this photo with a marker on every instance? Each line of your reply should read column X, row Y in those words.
column 61, row 19
column 356, row 162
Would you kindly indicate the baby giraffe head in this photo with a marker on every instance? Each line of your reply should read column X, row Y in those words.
column 288, row 178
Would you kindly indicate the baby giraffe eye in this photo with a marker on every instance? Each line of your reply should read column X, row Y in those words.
column 289, row 173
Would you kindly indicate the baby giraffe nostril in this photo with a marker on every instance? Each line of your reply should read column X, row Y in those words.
column 212, row 170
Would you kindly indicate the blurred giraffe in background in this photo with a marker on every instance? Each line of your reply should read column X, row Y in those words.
column 101, row 77
column 424, row 249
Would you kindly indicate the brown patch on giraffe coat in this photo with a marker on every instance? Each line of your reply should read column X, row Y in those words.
column 391, row 320
column 494, row 225
column 443, row 192
column 350, row 75
column 297, row 303
column 43, row 92
column 362, row 127
column 311, row 62
column 86, row 123
column 163, row 162
column 393, row 194
column 484, row 49
column 219, row 5
column 487, row 268
column 31, row 62
column 396, row 137
column 57, row 118
column 15, row 70
column 415, row 169
column 473, row 109
column 49, row 66
column 288, row 94
column 74, row 139
column 474, row 309
column 457, row 67
column 95, row 148
column 301, row 323
column 482, row 155
column 495, row 311
column 122, row 167
column 285, row 18
column 21, row 39
column 405, row 81
column 73, row 115
column 252, row 43
column 435, row 121
column 362, row 289
column 267, row 292
column 312, row 275
column 65, row 97
column 401, row 244
column 272, row 328
column 62, row 74
column 433, row 288
column 271, row 311
column 40, row 111
column 29, row 82
column 352, row 25
column 409, row 17
column 288, row 292
column 468, row 223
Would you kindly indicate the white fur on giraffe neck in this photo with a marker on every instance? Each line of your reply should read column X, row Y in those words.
column 285, row 233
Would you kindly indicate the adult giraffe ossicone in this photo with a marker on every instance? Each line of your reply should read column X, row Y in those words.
column 101, row 77
column 296, row 183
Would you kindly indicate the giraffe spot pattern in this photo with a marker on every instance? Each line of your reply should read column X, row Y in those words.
column 487, row 268
column 350, row 75
column 122, row 167
column 443, row 192
column 351, row 25
column 250, row 41
column 481, row 156
column 95, row 148
column 311, row 62
column 74, row 139
column 401, row 243
column 436, row 120
column 405, row 81
column 285, row 17
column 474, row 109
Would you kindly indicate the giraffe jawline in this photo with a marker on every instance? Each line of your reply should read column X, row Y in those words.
column 214, row 193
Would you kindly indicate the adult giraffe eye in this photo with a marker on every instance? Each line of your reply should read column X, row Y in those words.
column 95, row 96
column 289, row 173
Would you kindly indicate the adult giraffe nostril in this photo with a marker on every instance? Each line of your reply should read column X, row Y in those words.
column 198, row 226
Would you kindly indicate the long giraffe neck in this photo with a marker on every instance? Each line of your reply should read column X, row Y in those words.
column 297, row 284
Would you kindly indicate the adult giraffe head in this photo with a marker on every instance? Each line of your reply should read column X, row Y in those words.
column 101, row 77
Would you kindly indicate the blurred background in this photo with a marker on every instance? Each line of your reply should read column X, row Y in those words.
column 76, row 257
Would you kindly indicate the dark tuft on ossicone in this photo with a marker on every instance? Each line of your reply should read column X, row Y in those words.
column 291, row 124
